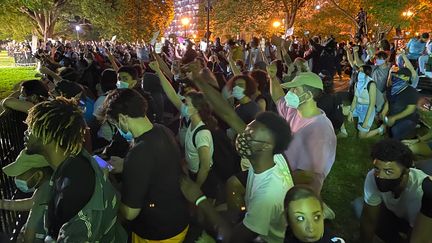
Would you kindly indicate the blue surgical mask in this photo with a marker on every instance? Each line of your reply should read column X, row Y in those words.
column 361, row 76
column 238, row 92
column 23, row 186
column 379, row 62
column 292, row 100
column 184, row 112
column 122, row 85
column 128, row 136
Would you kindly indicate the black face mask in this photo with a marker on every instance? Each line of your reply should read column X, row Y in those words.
column 386, row 185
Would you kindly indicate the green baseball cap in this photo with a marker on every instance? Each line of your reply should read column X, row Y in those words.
column 25, row 162
column 306, row 78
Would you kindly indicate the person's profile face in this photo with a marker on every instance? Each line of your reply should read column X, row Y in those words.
column 305, row 217
column 387, row 169
column 33, row 144
column 126, row 77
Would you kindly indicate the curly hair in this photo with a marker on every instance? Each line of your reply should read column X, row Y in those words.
column 60, row 121
column 251, row 85
column 393, row 150
column 279, row 129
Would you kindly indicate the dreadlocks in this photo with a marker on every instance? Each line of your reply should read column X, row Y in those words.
column 59, row 121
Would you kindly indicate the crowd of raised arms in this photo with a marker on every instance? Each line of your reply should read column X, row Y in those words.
column 230, row 142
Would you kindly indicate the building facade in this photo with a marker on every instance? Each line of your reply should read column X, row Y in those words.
column 185, row 22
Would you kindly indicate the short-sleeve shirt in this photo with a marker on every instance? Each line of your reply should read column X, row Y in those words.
column 265, row 194
column 399, row 103
column 202, row 139
column 151, row 176
column 313, row 147
column 380, row 75
column 409, row 204
column 247, row 112
column 415, row 48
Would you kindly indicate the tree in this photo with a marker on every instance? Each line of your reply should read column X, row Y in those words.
column 42, row 15
column 130, row 20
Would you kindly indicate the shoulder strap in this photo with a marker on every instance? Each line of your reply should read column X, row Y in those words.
column 198, row 129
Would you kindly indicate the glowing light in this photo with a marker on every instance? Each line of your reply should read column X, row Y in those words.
column 185, row 21
column 194, row 36
column 318, row 7
column 277, row 24
column 77, row 28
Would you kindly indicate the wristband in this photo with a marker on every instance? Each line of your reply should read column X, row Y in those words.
column 199, row 200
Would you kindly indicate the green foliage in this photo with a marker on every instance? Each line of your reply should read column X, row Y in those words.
column 130, row 20
column 389, row 12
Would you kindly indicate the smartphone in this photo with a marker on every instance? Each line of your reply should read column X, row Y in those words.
column 102, row 163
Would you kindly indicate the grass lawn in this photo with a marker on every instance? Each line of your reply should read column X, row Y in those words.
column 5, row 60
column 9, row 77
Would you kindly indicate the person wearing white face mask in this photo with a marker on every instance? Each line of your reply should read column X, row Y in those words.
column 363, row 104
column 32, row 173
column 312, row 151
column 243, row 88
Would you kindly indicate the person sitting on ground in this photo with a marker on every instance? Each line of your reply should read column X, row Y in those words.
column 199, row 147
column 243, row 88
column 128, row 78
column 305, row 216
column 31, row 93
column 312, row 152
column 268, row 178
column 151, row 199
column 415, row 48
column 82, row 203
column 400, row 110
column 363, row 105
column 32, row 174
column 398, row 197
column 331, row 103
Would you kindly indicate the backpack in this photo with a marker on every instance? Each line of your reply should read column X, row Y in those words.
column 226, row 161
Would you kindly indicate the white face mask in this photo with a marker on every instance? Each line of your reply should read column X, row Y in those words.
column 292, row 100
column 238, row 92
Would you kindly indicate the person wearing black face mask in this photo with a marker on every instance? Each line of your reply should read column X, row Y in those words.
column 398, row 198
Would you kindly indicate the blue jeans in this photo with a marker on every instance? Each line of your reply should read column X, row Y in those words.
column 402, row 129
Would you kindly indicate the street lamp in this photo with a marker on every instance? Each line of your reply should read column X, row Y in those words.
column 277, row 24
column 77, row 28
column 185, row 22
column 408, row 13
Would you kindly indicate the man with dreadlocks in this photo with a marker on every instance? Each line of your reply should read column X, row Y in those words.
column 82, row 205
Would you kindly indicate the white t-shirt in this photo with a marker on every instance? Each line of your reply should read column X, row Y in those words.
column 408, row 205
column 265, row 194
column 202, row 138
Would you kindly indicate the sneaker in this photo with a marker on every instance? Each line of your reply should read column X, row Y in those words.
column 328, row 212
column 342, row 134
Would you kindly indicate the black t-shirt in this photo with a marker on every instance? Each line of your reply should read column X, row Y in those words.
column 399, row 103
column 327, row 237
column 74, row 184
column 426, row 207
column 151, row 176
column 248, row 111
column 332, row 106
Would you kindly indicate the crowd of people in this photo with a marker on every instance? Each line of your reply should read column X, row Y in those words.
column 228, row 143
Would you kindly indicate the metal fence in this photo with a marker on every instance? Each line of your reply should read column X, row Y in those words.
column 12, row 129
column 24, row 59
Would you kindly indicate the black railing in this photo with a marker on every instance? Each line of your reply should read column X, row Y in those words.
column 24, row 59
column 12, row 129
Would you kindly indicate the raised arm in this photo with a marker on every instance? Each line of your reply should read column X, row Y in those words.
column 349, row 56
column 222, row 108
column 276, row 90
column 112, row 61
column 409, row 65
column 234, row 68
column 357, row 60
column 50, row 73
column 166, row 86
